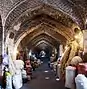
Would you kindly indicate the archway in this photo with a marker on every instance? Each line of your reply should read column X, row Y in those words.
column 38, row 21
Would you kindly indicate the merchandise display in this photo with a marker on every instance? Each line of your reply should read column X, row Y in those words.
column 70, row 76
column 81, row 81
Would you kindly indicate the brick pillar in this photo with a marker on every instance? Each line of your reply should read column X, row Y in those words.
column 85, row 40
column 0, row 44
column 0, row 36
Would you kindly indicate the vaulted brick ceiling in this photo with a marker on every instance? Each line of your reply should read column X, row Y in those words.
column 76, row 9
column 53, row 18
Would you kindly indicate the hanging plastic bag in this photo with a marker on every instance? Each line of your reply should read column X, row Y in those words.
column 5, row 59
column 81, row 81
column 19, row 64
column 17, row 81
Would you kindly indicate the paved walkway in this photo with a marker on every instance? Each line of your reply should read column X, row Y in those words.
column 44, row 78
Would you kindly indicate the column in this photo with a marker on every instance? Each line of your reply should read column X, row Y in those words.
column 85, row 40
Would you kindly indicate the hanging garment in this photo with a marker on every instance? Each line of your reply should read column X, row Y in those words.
column 17, row 80
column 5, row 59
column 8, row 80
column 58, row 71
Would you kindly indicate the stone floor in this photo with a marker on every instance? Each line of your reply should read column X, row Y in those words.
column 44, row 78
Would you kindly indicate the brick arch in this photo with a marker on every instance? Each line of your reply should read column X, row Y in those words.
column 39, row 37
column 56, row 17
column 64, row 6
column 16, row 14
column 57, row 35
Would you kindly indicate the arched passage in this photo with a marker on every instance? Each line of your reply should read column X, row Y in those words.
column 30, row 26
column 42, row 25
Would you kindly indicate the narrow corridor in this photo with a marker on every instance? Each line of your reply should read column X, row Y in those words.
column 43, row 78
column 34, row 29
